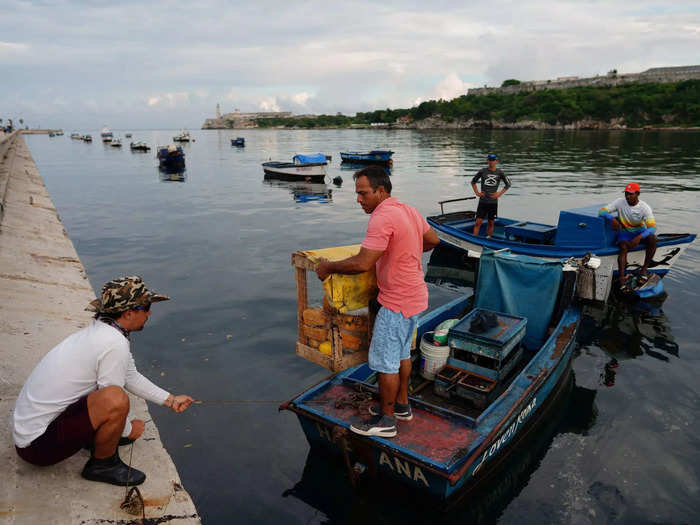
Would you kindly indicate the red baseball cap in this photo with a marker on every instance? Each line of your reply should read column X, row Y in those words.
column 632, row 187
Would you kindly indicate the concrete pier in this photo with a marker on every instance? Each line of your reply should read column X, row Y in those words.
column 43, row 294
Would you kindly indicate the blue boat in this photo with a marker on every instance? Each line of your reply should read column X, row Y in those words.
column 238, row 141
column 376, row 156
column 171, row 156
column 579, row 231
column 473, row 417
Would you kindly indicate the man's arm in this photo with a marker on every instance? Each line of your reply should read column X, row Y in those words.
column 430, row 240
column 362, row 262
column 475, row 179
column 506, row 186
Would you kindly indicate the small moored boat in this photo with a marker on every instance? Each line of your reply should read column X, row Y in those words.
column 127, row 135
column 139, row 146
column 308, row 168
column 87, row 138
column 171, row 156
column 116, row 143
column 238, row 141
column 106, row 135
column 183, row 136
column 376, row 156
column 75, row 135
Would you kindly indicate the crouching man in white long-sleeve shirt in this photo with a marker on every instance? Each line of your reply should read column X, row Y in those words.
column 75, row 397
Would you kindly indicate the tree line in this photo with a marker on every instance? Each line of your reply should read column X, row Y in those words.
column 638, row 105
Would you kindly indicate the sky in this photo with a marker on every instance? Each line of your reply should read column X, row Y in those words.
column 166, row 64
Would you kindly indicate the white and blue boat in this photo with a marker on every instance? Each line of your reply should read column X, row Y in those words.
column 305, row 168
column 238, row 141
column 579, row 231
column 376, row 156
column 482, row 405
column 106, row 135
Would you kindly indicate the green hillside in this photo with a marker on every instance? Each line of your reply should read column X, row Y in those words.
column 652, row 104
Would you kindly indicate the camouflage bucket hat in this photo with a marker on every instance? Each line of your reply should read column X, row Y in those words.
column 124, row 294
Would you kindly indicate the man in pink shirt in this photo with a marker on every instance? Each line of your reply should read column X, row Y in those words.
column 396, row 237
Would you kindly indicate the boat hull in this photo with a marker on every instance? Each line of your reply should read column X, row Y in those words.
column 295, row 172
column 545, row 376
column 373, row 157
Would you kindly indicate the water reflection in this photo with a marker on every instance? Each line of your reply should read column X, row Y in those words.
column 625, row 329
column 304, row 191
column 325, row 486
column 354, row 166
column 172, row 173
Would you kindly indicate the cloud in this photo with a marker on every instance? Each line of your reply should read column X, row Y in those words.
column 269, row 104
column 303, row 59
column 170, row 100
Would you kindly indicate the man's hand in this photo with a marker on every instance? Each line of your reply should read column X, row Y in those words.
column 178, row 403
column 480, row 194
column 323, row 268
column 615, row 224
column 137, row 428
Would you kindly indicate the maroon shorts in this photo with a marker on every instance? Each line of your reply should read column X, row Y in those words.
column 65, row 436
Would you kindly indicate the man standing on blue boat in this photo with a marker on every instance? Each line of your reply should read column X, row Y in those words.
column 396, row 237
column 490, row 179
column 635, row 224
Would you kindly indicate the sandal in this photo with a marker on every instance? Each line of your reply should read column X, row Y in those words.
column 625, row 288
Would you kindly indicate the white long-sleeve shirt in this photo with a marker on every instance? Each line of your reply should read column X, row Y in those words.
column 94, row 357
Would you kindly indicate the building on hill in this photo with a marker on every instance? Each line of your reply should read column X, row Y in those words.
column 612, row 78
column 237, row 119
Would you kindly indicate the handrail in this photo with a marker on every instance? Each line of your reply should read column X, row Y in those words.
column 442, row 211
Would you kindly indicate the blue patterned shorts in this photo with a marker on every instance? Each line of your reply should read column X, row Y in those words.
column 391, row 340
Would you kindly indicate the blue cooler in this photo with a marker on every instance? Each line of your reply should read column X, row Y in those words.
column 492, row 353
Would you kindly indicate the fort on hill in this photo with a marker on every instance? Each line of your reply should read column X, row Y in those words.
column 240, row 120
column 613, row 78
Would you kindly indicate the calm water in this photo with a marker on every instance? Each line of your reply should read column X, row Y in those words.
column 625, row 447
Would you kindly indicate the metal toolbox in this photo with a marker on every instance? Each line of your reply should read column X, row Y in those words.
column 496, row 342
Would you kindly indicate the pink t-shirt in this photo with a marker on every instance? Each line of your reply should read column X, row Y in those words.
column 397, row 229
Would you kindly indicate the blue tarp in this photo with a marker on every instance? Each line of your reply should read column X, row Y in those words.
column 310, row 159
column 520, row 285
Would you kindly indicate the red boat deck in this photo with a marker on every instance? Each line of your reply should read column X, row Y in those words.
column 432, row 436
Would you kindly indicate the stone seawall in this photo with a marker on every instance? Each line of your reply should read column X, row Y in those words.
column 43, row 294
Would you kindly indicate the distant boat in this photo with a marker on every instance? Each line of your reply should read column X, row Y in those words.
column 106, row 135
column 127, row 135
column 59, row 133
column 376, row 156
column 139, row 146
column 171, row 156
column 52, row 134
column 87, row 138
column 308, row 168
column 116, row 143
column 238, row 141
column 183, row 136
column 75, row 135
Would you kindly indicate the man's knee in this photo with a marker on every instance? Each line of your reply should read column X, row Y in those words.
column 112, row 399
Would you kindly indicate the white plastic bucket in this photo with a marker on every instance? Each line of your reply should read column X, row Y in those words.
column 432, row 357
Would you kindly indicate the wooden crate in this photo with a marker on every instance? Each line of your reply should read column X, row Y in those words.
column 340, row 358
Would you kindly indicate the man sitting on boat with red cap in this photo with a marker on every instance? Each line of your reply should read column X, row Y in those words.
column 635, row 224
